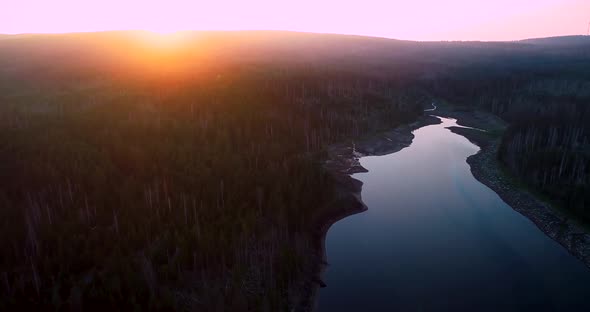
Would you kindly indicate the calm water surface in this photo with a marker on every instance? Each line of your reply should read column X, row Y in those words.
column 434, row 239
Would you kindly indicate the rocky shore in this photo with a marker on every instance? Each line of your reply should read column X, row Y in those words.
column 486, row 168
column 554, row 223
column 342, row 162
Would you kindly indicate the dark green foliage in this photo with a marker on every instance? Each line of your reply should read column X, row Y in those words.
column 552, row 155
column 166, row 194
column 139, row 180
column 544, row 95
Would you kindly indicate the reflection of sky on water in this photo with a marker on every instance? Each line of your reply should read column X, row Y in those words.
column 434, row 238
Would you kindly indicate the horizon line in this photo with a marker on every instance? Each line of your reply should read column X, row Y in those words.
column 275, row 30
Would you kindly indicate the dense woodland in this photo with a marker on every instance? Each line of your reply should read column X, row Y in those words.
column 162, row 192
column 190, row 178
column 545, row 98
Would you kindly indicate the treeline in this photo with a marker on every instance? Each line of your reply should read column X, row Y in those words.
column 545, row 99
column 552, row 155
column 138, row 178
column 163, row 194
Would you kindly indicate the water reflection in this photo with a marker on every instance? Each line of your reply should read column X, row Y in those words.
column 434, row 239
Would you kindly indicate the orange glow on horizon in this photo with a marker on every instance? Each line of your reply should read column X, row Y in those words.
column 162, row 40
column 414, row 20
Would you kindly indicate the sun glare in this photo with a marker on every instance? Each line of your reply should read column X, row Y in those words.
column 163, row 39
column 162, row 29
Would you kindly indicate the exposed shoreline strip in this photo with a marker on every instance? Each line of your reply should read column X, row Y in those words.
column 558, row 226
column 343, row 161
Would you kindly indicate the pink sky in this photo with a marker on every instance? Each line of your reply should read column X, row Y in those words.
column 411, row 19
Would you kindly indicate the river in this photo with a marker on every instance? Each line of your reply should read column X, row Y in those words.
column 436, row 239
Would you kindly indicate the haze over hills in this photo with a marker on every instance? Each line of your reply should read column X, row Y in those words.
column 561, row 41
column 186, row 51
column 186, row 171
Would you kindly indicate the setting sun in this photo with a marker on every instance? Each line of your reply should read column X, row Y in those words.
column 295, row 155
column 162, row 30
column 162, row 39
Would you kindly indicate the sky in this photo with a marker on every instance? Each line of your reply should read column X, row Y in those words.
column 411, row 19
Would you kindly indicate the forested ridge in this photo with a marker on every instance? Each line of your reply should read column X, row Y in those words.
column 141, row 179
column 545, row 97
column 167, row 193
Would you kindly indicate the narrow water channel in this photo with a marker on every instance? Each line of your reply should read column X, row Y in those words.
column 436, row 239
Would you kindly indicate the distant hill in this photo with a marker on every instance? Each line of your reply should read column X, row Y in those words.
column 279, row 47
column 198, row 161
column 50, row 57
column 559, row 41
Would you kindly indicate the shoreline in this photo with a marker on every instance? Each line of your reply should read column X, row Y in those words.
column 556, row 224
column 341, row 163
